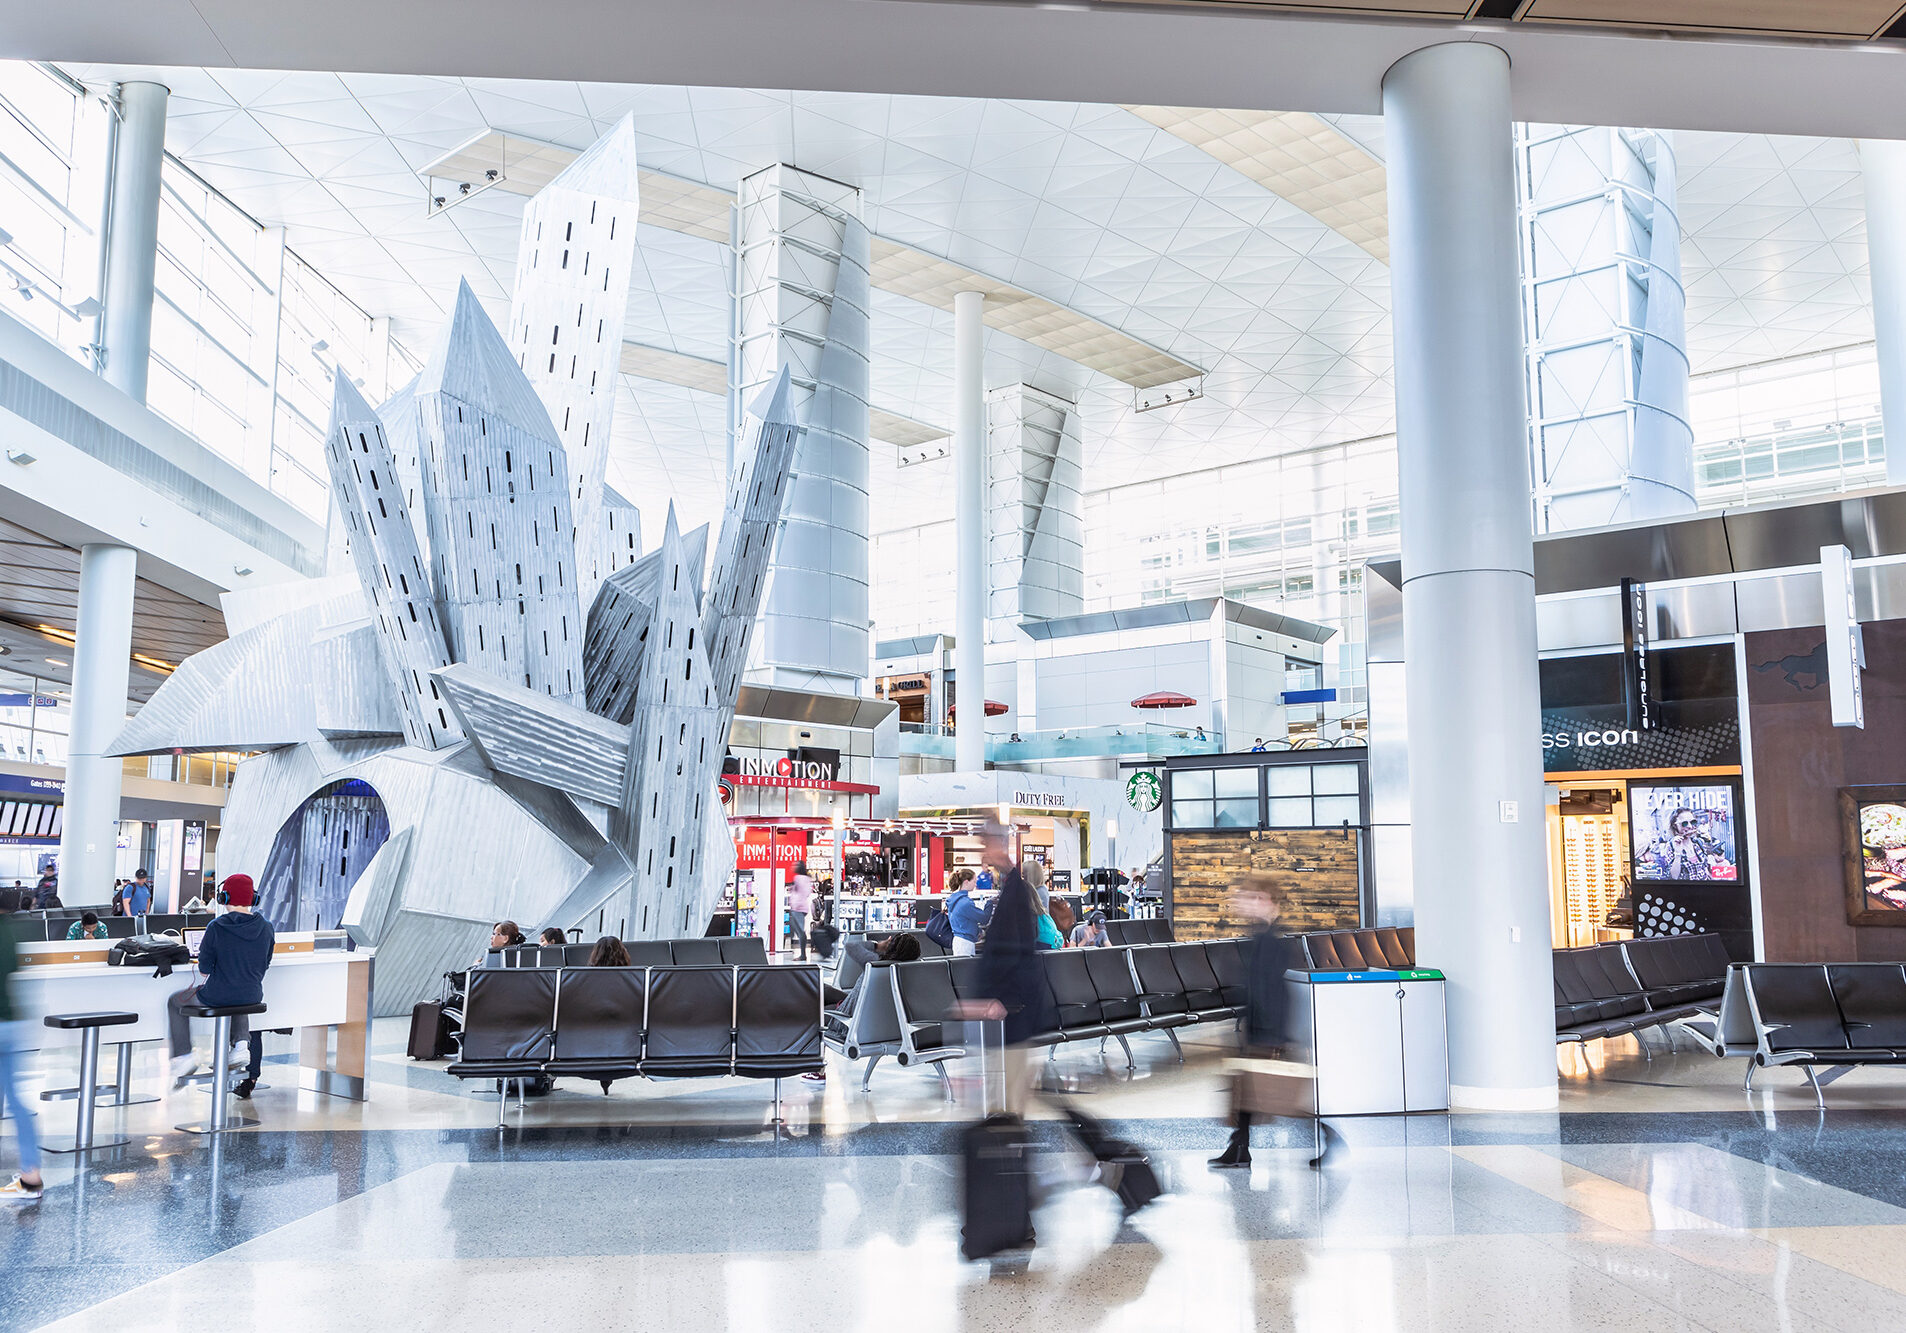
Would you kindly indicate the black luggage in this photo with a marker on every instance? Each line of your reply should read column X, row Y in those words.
column 1123, row 1167
column 997, row 1204
column 429, row 1032
column 161, row 952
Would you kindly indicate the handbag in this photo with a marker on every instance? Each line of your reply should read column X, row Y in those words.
column 161, row 952
column 1268, row 1086
column 939, row 929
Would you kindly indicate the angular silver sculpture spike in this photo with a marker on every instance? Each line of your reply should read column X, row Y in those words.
column 383, row 543
column 496, row 496
column 756, row 497
column 530, row 735
column 567, row 308
column 619, row 627
column 675, row 751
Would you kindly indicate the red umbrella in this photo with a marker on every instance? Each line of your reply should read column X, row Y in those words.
column 1164, row 699
column 994, row 708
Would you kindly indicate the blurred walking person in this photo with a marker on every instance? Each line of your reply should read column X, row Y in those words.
column 1266, row 1081
column 800, row 903
column 27, row 1184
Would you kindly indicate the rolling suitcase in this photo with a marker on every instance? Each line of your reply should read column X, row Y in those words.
column 1123, row 1167
column 429, row 1033
column 996, row 1203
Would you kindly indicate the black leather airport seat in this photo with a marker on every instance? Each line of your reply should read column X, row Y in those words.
column 926, row 1001
column 577, row 955
column 1123, row 932
column 691, row 1021
column 1390, row 940
column 777, row 1020
column 1872, row 1001
column 1320, row 955
column 696, row 952
column 1232, row 969
column 1161, row 990
column 1112, row 981
column 1204, row 997
column 650, row 953
column 963, row 975
column 1350, row 953
column 1585, row 1009
column 598, row 1025
column 1374, row 954
column 1796, row 1006
column 744, row 950
column 509, row 1022
column 1158, row 930
column 1075, row 1000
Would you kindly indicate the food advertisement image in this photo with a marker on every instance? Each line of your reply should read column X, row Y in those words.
column 1883, row 855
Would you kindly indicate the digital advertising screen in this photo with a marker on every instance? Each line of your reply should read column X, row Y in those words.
column 1686, row 832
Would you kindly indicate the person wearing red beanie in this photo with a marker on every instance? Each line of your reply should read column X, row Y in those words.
column 233, row 955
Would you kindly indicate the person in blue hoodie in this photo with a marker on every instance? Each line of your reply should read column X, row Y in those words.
column 967, row 918
column 233, row 955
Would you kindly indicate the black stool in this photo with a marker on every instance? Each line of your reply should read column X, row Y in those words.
column 221, row 1015
column 88, row 1026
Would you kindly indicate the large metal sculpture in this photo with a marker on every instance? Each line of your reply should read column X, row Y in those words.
column 527, row 763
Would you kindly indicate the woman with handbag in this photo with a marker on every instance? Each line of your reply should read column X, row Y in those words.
column 1266, row 1082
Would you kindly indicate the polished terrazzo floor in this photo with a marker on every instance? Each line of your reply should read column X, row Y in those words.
column 1659, row 1197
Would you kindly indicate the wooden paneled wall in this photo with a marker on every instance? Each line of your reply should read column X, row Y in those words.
column 1801, row 760
column 1316, row 868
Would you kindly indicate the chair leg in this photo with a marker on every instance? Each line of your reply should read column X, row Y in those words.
column 1175, row 1046
column 1747, row 1084
column 1131, row 1066
column 868, row 1077
column 946, row 1084
column 502, row 1102
column 221, row 1072
column 1819, row 1097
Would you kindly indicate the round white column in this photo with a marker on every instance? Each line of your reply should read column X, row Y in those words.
column 1883, row 170
column 969, row 499
column 102, row 653
column 132, row 238
column 1480, row 860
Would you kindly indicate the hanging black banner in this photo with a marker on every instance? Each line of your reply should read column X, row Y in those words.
column 1636, row 688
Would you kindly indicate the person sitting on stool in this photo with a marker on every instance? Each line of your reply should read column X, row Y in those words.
column 233, row 954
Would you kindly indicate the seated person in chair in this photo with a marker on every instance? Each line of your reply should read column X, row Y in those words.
column 840, row 1004
column 87, row 927
column 233, row 956
column 552, row 938
column 609, row 952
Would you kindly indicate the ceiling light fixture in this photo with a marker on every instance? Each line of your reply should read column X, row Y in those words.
column 21, row 457
column 55, row 632
column 57, row 661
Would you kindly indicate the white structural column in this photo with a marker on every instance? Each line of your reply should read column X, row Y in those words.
column 132, row 238
column 804, row 305
column 1480, row 863
column 969, row 510
column 1883, row 165
column 102, row 654
column 1608, row 365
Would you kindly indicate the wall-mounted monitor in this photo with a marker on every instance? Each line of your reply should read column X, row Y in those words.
column 1685, row 831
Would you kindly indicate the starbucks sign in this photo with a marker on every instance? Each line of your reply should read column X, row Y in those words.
column 1143, row 791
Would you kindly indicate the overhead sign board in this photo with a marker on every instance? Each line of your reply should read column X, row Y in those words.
column 1637, row 688
column 1846, row 651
